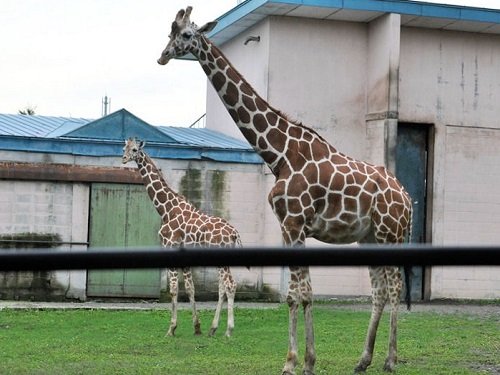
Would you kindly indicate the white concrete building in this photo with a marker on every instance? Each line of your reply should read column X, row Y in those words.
column 413, row 86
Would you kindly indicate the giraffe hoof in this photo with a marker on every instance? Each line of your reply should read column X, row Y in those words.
column 389, row 367
column 197, row 329
column 360, row 369
column 171, row 331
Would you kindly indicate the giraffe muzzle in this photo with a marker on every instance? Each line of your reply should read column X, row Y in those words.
column 163, row 60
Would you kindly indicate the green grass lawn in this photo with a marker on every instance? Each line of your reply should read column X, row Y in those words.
column 133, row 342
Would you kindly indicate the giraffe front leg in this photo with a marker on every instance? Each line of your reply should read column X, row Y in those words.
column 189, row 284
column 299, row 291
column 394, row 283
column 307, row 303
column 379, row 297
column 173, row 280
column 293, row 300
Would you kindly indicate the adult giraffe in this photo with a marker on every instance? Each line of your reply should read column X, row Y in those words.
column 184, row 225
column 319, row 192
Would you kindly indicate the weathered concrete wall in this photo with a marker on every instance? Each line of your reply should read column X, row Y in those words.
column 317, row 75
column 353, row 83
column 450, row 79
column 232, row 191
column 382, row 89
column 318, row 78
column 47, row 207
column 471, row 212
column 253, row 214
column 407, row 75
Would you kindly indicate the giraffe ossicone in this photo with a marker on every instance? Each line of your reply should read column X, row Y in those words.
column 184, row 225
column 319, row 192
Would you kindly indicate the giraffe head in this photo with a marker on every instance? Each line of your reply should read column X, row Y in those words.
column 184, row 36
column 132, row 149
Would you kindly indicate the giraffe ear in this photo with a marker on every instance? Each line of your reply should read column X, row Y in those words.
column 209, row 26
column 187, row 14
column 179, row 16
column 142, row 144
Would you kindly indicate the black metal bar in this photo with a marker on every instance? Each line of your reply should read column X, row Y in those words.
column 56, row 243
column 417, row 255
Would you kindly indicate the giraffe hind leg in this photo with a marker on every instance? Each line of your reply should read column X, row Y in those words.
column 379, row 298
column 230, row 288
column 189, row 285
column 215, row 321
column 394, row 286
column 227, row 287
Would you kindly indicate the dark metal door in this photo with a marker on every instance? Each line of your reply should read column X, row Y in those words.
column 411, row 171
column 123, row 216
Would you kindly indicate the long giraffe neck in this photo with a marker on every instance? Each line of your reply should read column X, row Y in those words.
column 164, row 199
column 265, row 128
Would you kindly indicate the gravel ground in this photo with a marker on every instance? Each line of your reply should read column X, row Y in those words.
column 452, row 307
column 141, row 305
column 441, row 307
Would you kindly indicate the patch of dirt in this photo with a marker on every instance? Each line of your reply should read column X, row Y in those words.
column 487, row 369
column 486, row 310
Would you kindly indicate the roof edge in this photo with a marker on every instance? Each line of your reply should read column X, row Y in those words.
column 404, row 7
column 114, row 148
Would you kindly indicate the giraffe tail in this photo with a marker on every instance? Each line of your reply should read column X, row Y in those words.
column 410, row 224
column 407, row 268
column 237, row 243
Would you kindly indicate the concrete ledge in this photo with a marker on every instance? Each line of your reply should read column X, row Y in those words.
column 26, row 305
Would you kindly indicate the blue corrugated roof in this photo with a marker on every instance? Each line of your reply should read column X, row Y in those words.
column 203, row 136
column 417, row 14
column 105, row 136
column 37, row 126
column 120, row 125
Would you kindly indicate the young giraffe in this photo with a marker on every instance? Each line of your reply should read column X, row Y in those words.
column 319, row 192
column 184, row 225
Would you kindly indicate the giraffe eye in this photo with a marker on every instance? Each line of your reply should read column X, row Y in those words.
column 134, row 149
column 186, row 35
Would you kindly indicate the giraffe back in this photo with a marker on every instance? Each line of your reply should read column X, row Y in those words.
column 191, row 227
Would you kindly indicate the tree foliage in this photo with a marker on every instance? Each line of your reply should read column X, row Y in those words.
column 28, row 111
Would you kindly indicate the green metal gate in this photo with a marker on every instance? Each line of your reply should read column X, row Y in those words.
column 122, row 216
column 411, row 169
